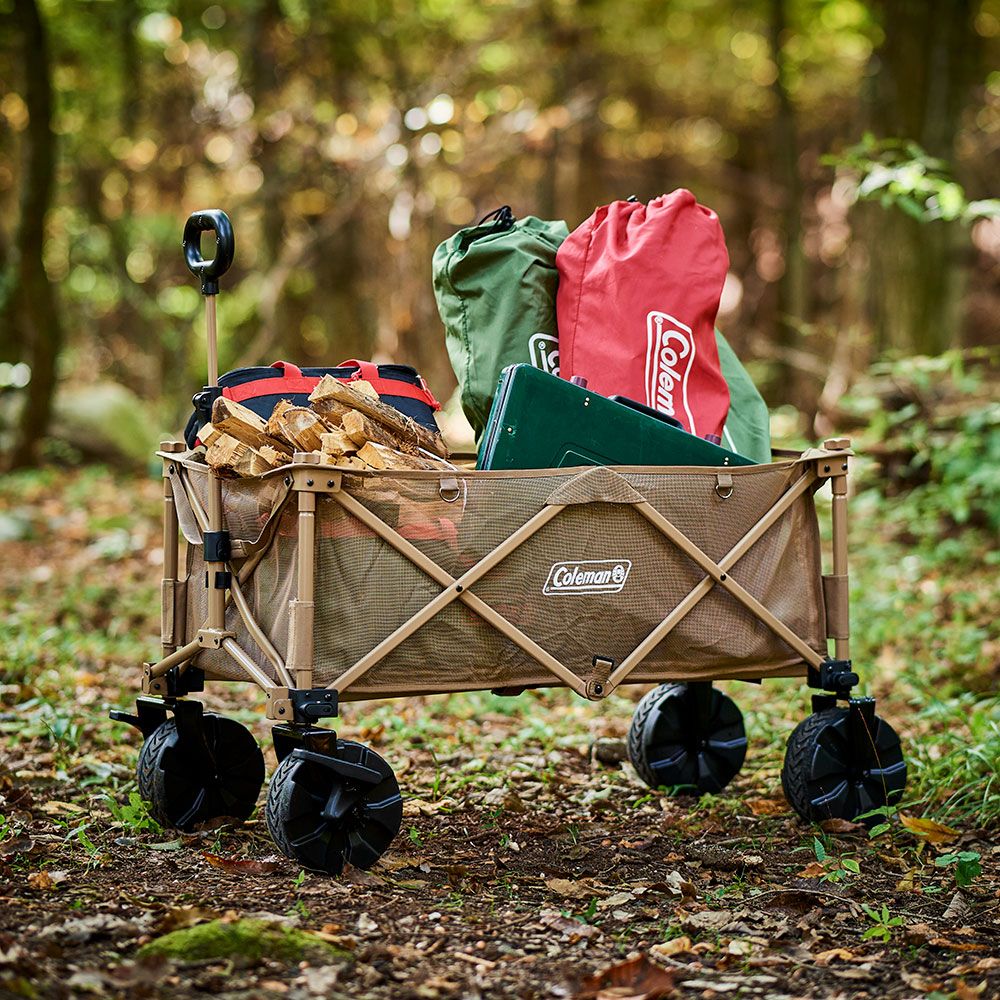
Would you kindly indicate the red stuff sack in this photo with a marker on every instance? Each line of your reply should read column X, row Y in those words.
column 639, row 289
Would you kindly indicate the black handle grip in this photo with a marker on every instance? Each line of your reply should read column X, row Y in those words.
column 634, row 404
column 209, row 271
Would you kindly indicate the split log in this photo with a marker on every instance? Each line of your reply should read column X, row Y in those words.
column 273, row 428
column 380, row 457
column 361, row 430
column 301, row 427
column 342, row 393
column 336, row 442
column 228, row 454
column 242, row 423
column 208, row 435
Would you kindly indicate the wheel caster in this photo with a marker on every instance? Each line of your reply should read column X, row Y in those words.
column 200, row 769
column 843, row 762
column 327, row 810
column 687, row 737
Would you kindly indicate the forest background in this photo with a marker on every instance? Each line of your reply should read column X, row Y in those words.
column 850, row 149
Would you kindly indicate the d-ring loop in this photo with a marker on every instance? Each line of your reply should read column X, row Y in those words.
column 450, row 490
column 724, row 485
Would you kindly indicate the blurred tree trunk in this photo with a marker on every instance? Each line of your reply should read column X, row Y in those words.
column 793, row 284
column 31, row 299
column 925, row 69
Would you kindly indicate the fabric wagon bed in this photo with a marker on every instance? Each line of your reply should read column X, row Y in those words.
column 575, row 577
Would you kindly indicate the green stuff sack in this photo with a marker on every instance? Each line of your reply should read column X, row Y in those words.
column 495, row 285
column 748, row 424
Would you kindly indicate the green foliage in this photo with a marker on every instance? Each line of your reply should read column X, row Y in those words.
column 884, row 923
column 966, row 864
column 899, row 173
column 133, row 814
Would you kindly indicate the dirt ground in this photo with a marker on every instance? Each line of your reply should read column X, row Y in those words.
column 532, row 861
column 563, row 870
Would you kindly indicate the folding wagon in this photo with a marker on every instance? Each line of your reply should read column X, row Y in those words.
column 323, row 585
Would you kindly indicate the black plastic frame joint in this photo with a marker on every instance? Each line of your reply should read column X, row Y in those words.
column 218, row 547
column 180, row 683
column 223, row 579
column 310, row 704
column 833, row 675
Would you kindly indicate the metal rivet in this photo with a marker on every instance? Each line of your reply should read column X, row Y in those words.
column 458, row 588
column 598, row 688
column 723, row 577
column 826, row 468
column 309, row 482
column 281, row 711
column 844, row 467
column 329, row 483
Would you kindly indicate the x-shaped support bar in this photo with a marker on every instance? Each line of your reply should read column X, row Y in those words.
column 457, row 589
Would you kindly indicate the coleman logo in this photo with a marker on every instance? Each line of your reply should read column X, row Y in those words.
column 543, row 349
column 669, row 358
column 594, row 576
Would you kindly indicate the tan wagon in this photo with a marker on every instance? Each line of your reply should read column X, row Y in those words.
column 323, row 585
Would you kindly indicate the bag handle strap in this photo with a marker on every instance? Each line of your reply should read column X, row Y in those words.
column 288, row 369
column 366, row 370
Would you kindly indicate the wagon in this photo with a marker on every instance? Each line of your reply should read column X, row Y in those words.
column 324, row 585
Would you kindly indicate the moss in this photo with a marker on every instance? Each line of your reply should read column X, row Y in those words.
column 247, row 940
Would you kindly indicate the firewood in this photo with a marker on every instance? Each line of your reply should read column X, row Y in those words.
column 227, row 454
column 238, row 421
column 380, row 457
column 362, row 430
column 208, row 435
column 336, row 442
column 365, row 388
column 302, row 427
column 273, row 427
column 391, row 418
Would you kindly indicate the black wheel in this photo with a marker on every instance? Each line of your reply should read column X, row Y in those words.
column 687, row 737
column 824, row 778
column 187, row 783
column 323, row 817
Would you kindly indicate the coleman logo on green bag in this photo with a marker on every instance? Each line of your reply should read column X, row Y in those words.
column 544, row 351
column 495, row 285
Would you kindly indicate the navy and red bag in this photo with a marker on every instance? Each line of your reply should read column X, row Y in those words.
column 260, row 389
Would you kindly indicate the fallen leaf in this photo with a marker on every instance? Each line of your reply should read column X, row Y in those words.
column 837, row 825
column 243, row 866
column 635, row 979
column 618, row 899
column 928, row 829
column 957, row 908
column 179, row 917
column 767, row 807
column 907, row 883
column 812, row 870
column 826, row 957
column 573, row 929
column 940, row 942
column 12, row 848
column 675, row 946
column 567, row 887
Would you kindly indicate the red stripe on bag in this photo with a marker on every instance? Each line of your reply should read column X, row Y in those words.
column 282, row 386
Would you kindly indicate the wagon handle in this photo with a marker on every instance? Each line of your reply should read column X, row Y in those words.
column 209, row 271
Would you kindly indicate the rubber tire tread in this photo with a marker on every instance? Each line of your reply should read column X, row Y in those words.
column 637, row 728
column 798, row 760
column 145, row 772
column 280, row 780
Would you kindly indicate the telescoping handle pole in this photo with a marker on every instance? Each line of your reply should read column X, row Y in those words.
column 209, row 271
column 217, row 545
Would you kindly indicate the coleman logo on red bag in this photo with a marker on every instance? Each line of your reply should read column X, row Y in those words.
column 639, row 288
column 670, row 352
